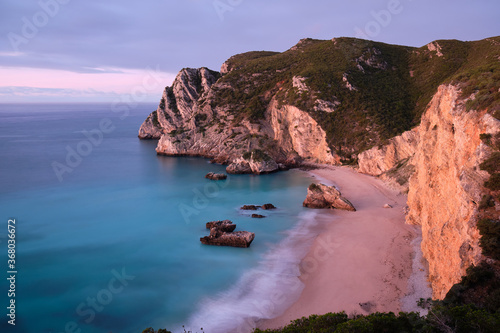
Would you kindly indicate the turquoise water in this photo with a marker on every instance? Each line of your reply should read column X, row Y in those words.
column 112, row 243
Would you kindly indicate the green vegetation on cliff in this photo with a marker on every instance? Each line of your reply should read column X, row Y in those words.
column 376, row 90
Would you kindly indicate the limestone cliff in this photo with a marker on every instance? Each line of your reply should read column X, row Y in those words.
column 378, row 160
column 187, row 122
column 441, row 158
column 447, row 186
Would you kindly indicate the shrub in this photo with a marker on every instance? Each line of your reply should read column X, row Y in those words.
column 256, row 155
column 486, row 202
column 486, row 138
column 200, row 117
column 155, row 119
column 314, row 187
column 490, row 237
column 494, row 182
column 492, row 164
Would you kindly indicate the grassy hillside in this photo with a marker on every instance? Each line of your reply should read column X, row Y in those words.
column 378, row 90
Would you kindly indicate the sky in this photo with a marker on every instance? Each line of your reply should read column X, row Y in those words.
column 106, row 50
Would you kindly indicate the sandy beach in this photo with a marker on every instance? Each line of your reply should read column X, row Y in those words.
column 361, row 262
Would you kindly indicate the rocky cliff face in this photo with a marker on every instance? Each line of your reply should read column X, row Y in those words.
column 379, row 160
column 188, row 122
column 441, row 157
column 447, row 186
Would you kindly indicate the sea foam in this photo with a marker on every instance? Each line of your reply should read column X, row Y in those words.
column 263, row 292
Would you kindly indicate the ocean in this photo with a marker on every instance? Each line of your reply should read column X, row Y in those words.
column 107, row 232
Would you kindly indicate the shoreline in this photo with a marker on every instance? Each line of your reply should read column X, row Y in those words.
column 361, row 262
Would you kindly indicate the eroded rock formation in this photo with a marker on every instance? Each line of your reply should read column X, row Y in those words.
column 322, row 196
column 222, row 234
column 234, row 239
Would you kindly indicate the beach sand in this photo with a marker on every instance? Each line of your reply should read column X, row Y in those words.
column 361, row 262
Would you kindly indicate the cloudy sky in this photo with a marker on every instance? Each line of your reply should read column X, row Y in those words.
column 75, row 50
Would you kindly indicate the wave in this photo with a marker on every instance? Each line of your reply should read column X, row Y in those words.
column 263, row 292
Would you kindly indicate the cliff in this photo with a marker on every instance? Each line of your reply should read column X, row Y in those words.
column 442, row 158
column 447, row 186
column 187, row 122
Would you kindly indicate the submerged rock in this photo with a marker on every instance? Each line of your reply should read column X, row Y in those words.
column 258, row 216
column 322, row 196
column 216, row 176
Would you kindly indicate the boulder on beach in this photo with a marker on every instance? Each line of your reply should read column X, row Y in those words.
column 215, row 176
column 225, row 226
column 322, row 196
column 235, row 239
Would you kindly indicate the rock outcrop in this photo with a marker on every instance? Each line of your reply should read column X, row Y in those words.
column 222, row 234
column 448, row 185
column 256, row 162
column 249, row 207
column 267, row 206
column 296, row 131
column 322, row 196
column 234, row 239
column 378, row 160
column 215, row 176
column 151, row 128
column 224, row 226
column 189, row 123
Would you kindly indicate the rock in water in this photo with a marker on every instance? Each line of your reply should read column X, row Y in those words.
column 225, row 226
column 268, row 206
column 249, row 207
column 322, row 196
column 258, row 216
column 216, row 176
column 235, row 239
